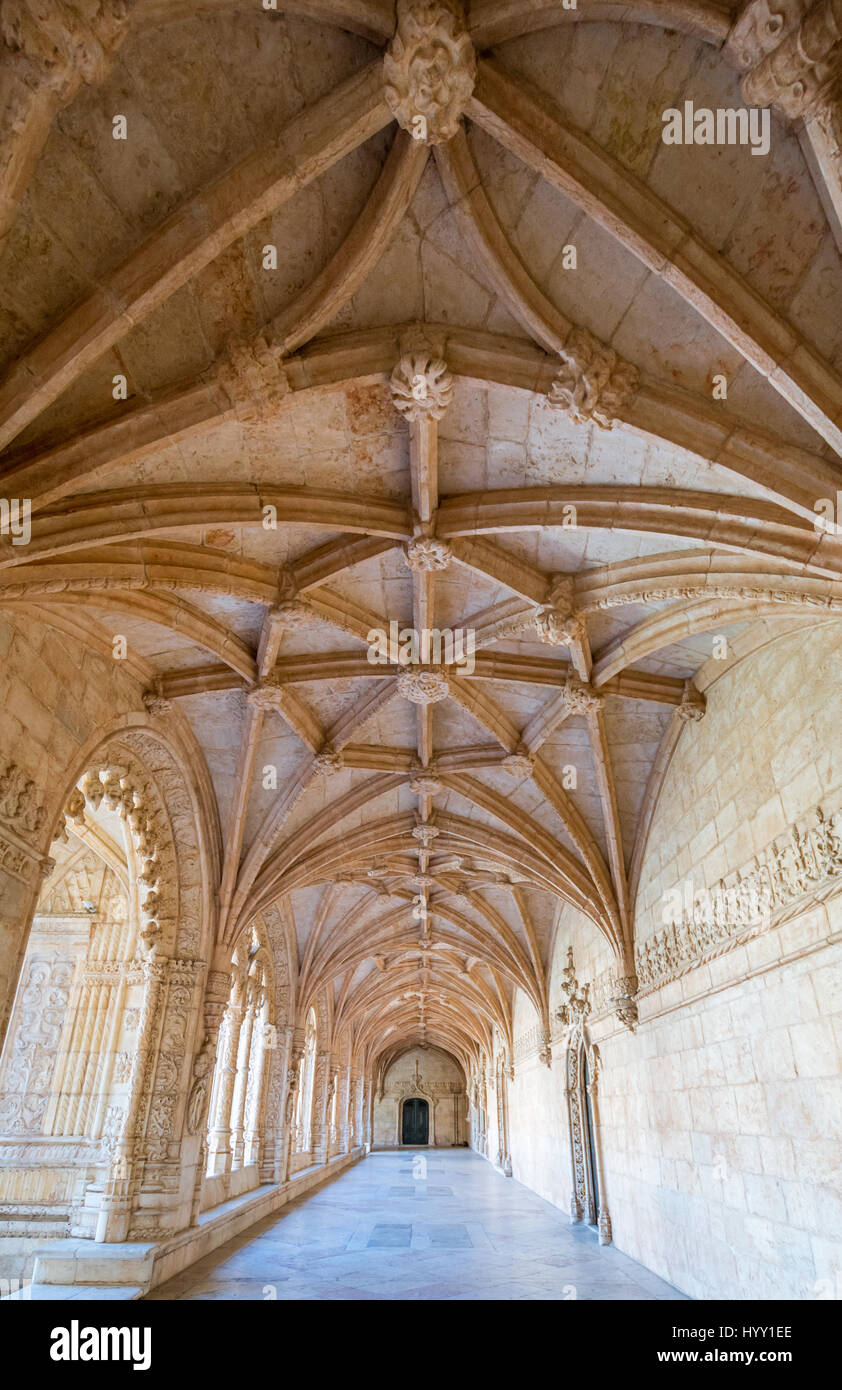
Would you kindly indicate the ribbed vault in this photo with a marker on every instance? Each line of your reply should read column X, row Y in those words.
column 270, row 488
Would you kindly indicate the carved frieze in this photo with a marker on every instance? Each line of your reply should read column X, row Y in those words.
column 806, row 857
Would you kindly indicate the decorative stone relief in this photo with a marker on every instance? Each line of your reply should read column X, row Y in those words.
column 292, row 615
column 759, row 28
column 268, row 695
column 693, row 704
column 423, row 781
column 623, row 1001
column 421, row 384
column 328, row 761
column 797, row 73
column 429, row 69
column 427, row 553
column 156, row 704
column 64, row 44
column 253, row 375
column 423, row 687
column 519, row 764
column 593, row 383
column 20, row 806
column 581, row 698
column 577, row 1005
column 557, row 629
column 804, row 859
column 36, row 1028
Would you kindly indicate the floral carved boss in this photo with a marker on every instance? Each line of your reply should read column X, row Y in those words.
column 430, row 69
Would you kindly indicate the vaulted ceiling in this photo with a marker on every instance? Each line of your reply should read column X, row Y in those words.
column 269, row 260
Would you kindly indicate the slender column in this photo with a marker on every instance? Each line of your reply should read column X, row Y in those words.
column 220, row 1137
column 604, row 1217
column 241, row 1079
column 321, row 1092
column 205, row 1076
column 263, row 1045
column 295, row 1054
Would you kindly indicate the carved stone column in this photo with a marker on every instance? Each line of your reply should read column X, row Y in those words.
column 217, row 993
column 295, row 1053
column 241, row 1082
column 22, row 870
column 219, row 1142
column 603, row 1218
column 321, row 1096
column 122, row 1182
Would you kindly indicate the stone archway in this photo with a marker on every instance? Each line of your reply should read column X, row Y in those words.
column 123, row 1069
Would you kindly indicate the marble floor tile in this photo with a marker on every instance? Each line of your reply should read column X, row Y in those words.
column 376, row 1233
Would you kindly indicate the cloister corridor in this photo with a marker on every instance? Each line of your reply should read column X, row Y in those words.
column 418, row 1224
column 420, row 653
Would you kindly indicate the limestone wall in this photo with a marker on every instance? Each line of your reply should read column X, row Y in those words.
column 721, row 1116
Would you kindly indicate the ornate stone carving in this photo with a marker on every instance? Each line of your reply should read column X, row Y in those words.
column 268, row 695
column 427, row 553
column 155, row 703
column 421, row 384
column 292, row 615
column 581, row 698
column 37, row 1024
column 577, row 1004
column 20, row 806
column 423, row 781
column 593, row 383
column 425, row 833
column 328, row 761
column 693, row 704
column 253, row 374
column 202, row 1073
column 429, row 69
column 798, row 72
column 423, row 687
column 557, row 628
column 802, row 860
column 519, row 764
column 623, row 1000
column 759, row 28
column 820, row 602
column 64, row 44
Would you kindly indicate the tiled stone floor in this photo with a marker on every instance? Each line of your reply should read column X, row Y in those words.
column 389, row 1229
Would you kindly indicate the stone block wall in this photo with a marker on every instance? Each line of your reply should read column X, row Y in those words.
column 721, row 1116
